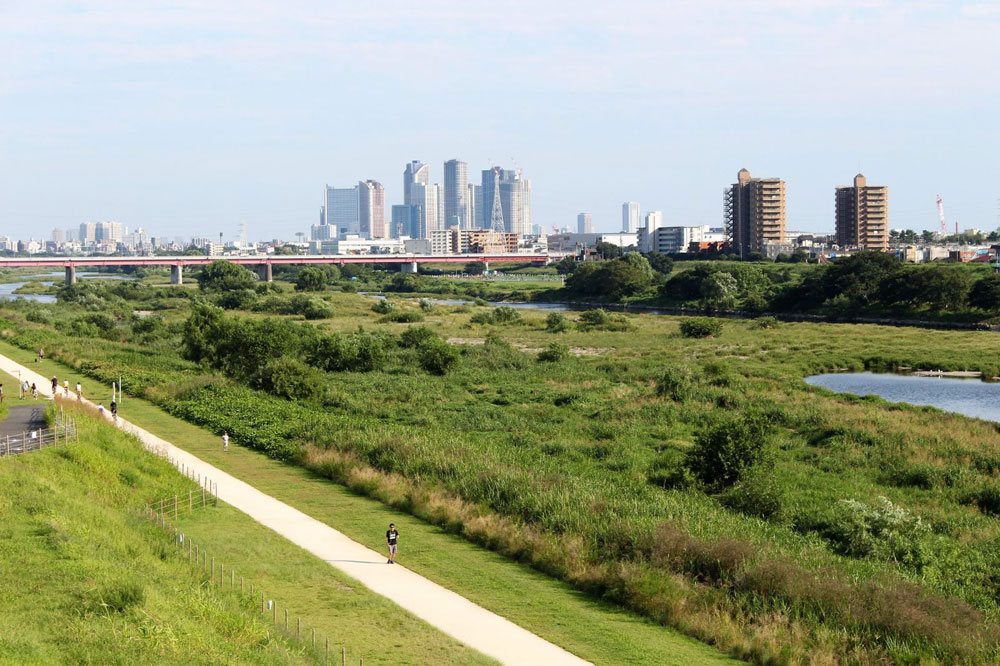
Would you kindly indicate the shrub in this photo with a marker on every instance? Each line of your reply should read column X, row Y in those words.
column 553, row 353
column 556, row 322
column 506, row 315
column 700, row 327
column 498, row 354
column 675, row 383
column 723, row 454
column 237, row 299
column 225, row 276
column 312, row 307
column 603, row 320
column 383, row 307
column 764, row 322
column 758, row 495
column 311, row 278
column 437, row 356
column 426, row 305
column 403, row 317
column 883, row 531
column 986, row 498
column 288, row 378
column 415, row 336
column 482, row 317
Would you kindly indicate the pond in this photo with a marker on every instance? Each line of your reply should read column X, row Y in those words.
column 970, row 397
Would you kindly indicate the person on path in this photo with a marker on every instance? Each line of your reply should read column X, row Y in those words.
column 100, row 409
column 24, row 389
column 66, row 388
column 114, row 410
column 225, row 441
column 1, row 392
column 79, row 391
column 391, row 536
column 34, row 391
column 55, row 386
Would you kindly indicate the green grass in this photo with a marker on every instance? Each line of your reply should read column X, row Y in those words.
column 72, row 536
column 598, row 631
column 526, row 458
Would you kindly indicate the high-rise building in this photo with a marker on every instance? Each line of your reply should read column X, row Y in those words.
column 405, row 222
column 108, row 232
column 755, row 212
column 630, row 217
column 371, row 209
column 862, row 212
column 456, row 194
column 584, row 223
column 515, row 199
column 654, row 220
column 415, row 172
column 475, row 206
column 58, row 237
column 341, row 211
column 424, row 198
column 88, row 233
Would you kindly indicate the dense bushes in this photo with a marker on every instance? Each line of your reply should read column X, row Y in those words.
column 225, row 276
column 700, row 327
column 556, row 322
column 602, row 320
column 436, row 356
column 288, row 378
column 501, row 315
column 553, row 353
column 724, row 453
column 618, row 278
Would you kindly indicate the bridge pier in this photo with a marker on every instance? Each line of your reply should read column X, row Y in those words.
column 408, row 268
column 264, row 273
column 177, row 274
column 70, row 275
column 486, row 267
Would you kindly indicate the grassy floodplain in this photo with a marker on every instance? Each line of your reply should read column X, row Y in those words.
column 580, row 466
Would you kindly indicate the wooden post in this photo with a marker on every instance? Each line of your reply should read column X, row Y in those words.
column 314, row 639
column 190, row 505
column 203, row 496
column 232, row 578
column 189, row 551
column 222, row 573
column 175, row 507
column 286, row 619
column 343, row 656
column 212, row 579
column 274, row 613
column 241, row 584
column 298, row 624
column 327, row 660
column 261, row 603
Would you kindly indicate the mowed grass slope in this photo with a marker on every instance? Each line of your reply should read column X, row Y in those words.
column 84, row 579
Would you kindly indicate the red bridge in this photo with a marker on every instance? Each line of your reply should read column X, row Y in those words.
column 263, row 264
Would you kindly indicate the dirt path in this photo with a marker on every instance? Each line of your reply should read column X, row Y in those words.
column 452, row 614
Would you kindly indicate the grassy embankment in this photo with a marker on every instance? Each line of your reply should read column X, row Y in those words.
column 596, row 630
column 85, row 579
column 528, row 458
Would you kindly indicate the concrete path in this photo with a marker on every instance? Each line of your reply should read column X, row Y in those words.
column 452, row 614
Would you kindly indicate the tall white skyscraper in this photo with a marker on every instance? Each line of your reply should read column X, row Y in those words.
column 654, row 220
column 415, row 172
column 424, row 198
column 371, row 209
column 456, row 194
column 630, row 216
column 584, row 223
column 515, row 200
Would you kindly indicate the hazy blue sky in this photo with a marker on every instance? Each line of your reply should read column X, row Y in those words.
column 187, row 117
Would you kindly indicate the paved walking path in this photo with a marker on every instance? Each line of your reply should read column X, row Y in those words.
column 23, row 418
column 452, row 614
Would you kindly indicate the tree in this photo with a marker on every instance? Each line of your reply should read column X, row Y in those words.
column 724, row 454
column 985, row 293
column 608, row 250
column 859, row 277
column 660, row 263
column 566, row 265
column 311, row 278
column 475, row 268
column 718, row 291
column 225, row 276
column 437, row 356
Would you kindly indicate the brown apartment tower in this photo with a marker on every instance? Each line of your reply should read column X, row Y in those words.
column 755, row 212
column 863, row 216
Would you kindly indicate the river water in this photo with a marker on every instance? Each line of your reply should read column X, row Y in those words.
column 7, row 289
column 970, row 397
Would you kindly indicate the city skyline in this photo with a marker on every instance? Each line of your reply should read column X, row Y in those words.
column 237, row 110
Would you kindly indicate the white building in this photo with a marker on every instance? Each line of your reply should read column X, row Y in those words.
column 630, row 217
column 672, row 240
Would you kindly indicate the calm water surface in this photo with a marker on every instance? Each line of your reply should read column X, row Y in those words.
column 7, row 289
column 970, row 397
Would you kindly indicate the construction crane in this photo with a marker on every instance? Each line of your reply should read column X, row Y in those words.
column 944, row 225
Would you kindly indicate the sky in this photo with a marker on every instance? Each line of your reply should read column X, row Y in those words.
column 188, row 117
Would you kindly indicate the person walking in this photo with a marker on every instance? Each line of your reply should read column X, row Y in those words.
column 225, row 441
column 24, row 389
column 41, row 354
column 34, row 391
column 55, row 386
column 391, row 536
column 114, row 410
column 79, row 392
column 1, row 393
column 66, row 388
column 100, row 409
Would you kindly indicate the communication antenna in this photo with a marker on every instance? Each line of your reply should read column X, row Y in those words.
column 940, row 206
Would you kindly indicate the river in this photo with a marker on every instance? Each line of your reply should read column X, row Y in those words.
column 970, row 397
column 7, row 289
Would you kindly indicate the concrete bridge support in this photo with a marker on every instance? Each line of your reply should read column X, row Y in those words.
column 486, row 267
column 70, row 275
column 264, row 273
column 176, row 274
column 408, row 268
